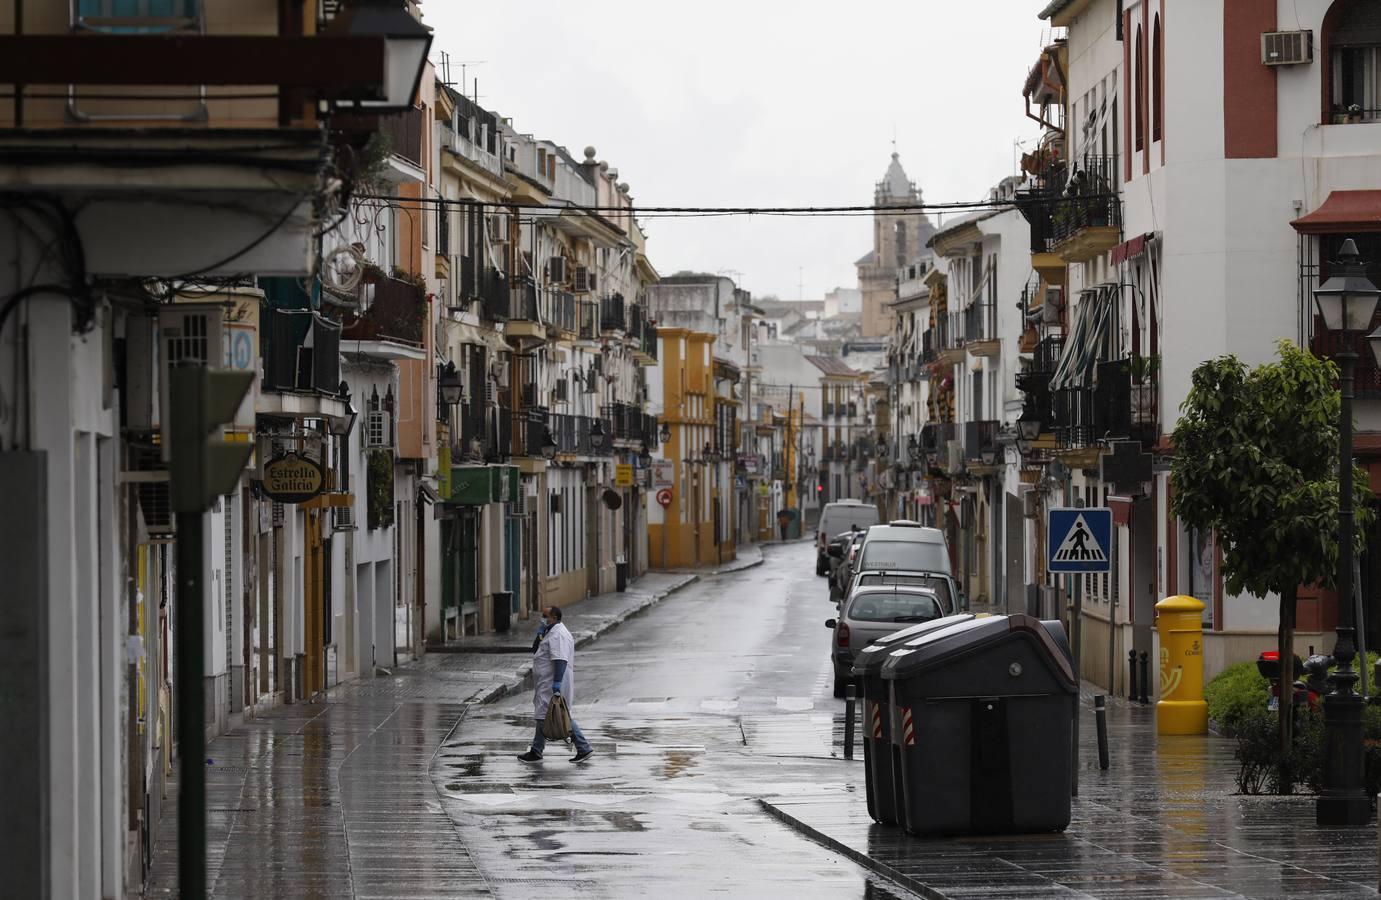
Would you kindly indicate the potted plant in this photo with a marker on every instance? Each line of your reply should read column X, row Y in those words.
column 1354, row 112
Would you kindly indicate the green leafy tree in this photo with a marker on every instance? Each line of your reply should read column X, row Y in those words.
column 1256, row 461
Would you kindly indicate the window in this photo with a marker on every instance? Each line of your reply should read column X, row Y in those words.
column 906, row 556
column 894, row 606
column 1352, row 32
column 1138, row 129
column 1157, row 81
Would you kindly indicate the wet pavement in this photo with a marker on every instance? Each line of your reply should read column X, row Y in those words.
column 718, row 768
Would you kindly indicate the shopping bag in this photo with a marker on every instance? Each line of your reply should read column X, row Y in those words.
column 557, row 725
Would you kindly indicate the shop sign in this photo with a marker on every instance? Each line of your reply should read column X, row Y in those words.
column 748, row 462
column 293, row 478
column 623, row 475
column 663, row 473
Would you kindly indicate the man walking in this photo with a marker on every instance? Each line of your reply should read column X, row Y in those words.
column 553, row 672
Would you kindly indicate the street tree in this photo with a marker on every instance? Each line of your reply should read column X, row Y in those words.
column 1256, row 461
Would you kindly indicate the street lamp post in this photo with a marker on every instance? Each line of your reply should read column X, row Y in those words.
column 1347, row 303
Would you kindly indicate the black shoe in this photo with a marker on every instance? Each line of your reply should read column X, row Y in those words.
column 581, row 757
column 530, row 757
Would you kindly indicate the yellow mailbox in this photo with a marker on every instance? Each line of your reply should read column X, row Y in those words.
column 1181, row 709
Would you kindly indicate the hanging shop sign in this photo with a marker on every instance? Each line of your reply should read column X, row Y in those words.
column 293, row 478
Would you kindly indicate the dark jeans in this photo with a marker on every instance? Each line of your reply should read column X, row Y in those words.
column 539, row 740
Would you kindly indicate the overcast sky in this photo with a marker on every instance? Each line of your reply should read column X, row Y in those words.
column 759, row 103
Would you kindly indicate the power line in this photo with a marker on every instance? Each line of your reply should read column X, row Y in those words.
column 695, row 210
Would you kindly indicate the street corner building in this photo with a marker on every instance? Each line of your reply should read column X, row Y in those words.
column 440, row 422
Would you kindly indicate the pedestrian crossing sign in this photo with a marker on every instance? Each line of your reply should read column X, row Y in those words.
column 1080, row 540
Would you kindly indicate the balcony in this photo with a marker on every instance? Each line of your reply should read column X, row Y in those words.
column 493, row 295
column 1366, row 376
column 529, row 430
column 929, row 354
column 980, row 329
column 573, row 435
column 612, row 313
column 561, row 311
column 523, row 322
column 589, row 321
column 1087, row 221
column 1038, row 206
column 949, row 340
column 394, row 321
column 981, row 437
column 403, row 132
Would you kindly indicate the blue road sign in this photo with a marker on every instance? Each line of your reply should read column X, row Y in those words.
column 1080, row 540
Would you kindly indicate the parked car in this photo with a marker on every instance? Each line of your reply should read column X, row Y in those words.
column 944, row 586
column 904, row 547
column 841, row 566
column 873, row 612
column 841, row 515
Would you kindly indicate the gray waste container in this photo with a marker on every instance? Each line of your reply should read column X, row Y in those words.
column 982, row 719
column 877, row 716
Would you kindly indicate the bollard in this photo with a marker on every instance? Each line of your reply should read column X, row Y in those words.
column 849, row 720
column 1145, row 696
column 1181, row 709
column 1100, row 715
column 1132, row 695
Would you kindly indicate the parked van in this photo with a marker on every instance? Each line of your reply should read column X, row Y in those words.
column 841, row 515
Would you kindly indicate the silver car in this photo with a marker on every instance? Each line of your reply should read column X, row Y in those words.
column 871, row 612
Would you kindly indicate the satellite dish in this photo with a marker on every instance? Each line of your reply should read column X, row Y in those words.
column 341, row 272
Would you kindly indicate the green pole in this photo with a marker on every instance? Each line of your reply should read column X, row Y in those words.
column 191, row 711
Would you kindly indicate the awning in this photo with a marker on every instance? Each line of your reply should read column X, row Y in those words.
column 1129, row 249
column 480, row 337
column 1343, row 211
column 1089, row 339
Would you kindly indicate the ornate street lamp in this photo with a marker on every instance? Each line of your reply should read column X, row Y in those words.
column 452, row 389
column 406, row 43
column 597, row 435
column 341, row 427
column 548, row 446
column 645, row 457
column 988, row 455
column 1347, row 303
column 664, row 433
column 1029, row 427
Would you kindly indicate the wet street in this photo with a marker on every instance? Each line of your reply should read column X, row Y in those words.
column 405, row 786
column 717, row 696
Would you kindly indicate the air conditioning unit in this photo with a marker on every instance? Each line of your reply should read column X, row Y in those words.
column 188, row 333
column 343, row 518
column 490, row 394
column 141, row 379
column 518, row 509
column 1287, row 48
column 954, row 461
column 582, row 282
column 556, row 270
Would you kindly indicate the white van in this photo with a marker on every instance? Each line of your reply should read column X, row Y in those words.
column 838, row 517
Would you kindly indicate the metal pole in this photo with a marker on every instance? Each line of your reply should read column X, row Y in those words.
column 1078, row 680
column 191, row 711
column 1100, row 718
column 849, row 692
column 1343, row 802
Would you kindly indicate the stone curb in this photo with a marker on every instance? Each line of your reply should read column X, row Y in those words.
column 858, row 856
column 522, row 679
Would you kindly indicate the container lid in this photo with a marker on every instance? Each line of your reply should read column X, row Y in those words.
column 942, row 646
column 1180, row 604
column 870, row 659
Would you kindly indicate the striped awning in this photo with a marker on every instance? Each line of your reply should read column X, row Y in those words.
column 1090, row 339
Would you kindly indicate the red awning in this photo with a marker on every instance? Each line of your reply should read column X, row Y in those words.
column 1343, row 211
column 1129, row 249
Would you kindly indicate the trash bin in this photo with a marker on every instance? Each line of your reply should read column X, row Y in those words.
column 877, row 716
column 503, row 611
column 621, row 576
column 983, row 715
